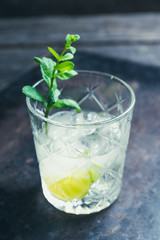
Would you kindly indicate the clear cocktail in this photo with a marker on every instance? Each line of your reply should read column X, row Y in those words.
column 81, row 156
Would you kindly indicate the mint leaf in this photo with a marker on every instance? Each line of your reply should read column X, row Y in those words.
column 66, row 75
column 76, row 37
column 55, row 54
column 54, row 84
column 72, row 49
column 72, row 38
column 37, row 59
column 47, row 69
column 67, row 56
column 53, row 97
column 64, row 103
column 68, row 39
column 65, row 66
column 31, row 92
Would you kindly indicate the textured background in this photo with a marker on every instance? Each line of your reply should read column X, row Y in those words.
column 21, row 8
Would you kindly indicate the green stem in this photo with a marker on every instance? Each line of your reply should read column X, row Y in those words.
column 52, row 81
column 46, row 116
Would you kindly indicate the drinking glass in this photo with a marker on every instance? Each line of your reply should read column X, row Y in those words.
column 81, row 155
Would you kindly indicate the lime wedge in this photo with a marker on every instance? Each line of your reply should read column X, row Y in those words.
column 73, row 186
column 76, row 185
column 94, row 174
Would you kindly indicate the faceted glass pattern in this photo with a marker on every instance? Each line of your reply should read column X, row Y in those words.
column 81, row 159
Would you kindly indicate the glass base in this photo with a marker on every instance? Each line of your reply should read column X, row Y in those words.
column 93, row 202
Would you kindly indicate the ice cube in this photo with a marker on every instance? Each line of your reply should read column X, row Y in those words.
column 111, row 132
column 90, row 145
column 59, row 167
column 107, row 160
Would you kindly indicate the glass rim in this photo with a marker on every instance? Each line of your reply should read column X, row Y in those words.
column 114, row 119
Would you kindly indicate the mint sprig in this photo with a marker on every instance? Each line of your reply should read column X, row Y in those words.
column 63, row 69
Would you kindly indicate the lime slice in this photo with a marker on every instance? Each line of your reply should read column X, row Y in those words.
column 93, row 175
column 76, row 185
column 73, row 186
